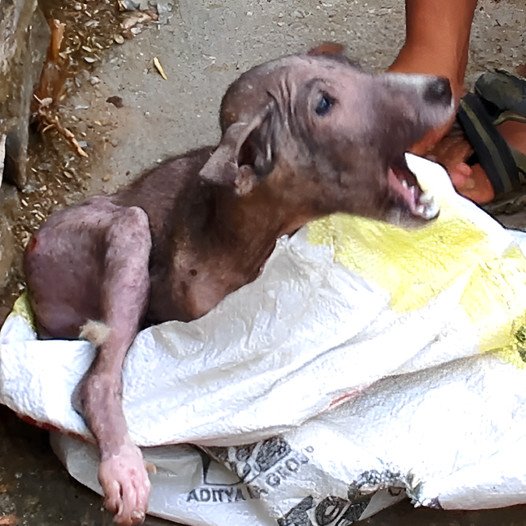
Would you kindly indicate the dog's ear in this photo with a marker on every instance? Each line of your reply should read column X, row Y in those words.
column 333, row 51
column 245, row 152
column 327, row 48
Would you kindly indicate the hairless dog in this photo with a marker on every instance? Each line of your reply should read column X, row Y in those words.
column 302, row 136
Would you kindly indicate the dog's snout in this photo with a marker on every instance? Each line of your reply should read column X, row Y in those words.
column 438, row 90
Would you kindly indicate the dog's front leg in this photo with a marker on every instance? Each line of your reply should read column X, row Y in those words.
column 124, row 297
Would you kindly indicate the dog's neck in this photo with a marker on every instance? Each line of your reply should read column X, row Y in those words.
column 257, row 218
column 227, row 250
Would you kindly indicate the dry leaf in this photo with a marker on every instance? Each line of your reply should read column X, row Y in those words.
column 159, row 68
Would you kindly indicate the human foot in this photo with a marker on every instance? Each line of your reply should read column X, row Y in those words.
column 471, row 181
column 499, row 167
column 448, row 145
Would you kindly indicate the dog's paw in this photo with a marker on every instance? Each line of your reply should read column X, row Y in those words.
column 126, row 487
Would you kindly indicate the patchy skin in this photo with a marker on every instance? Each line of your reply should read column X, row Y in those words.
column 302, row 136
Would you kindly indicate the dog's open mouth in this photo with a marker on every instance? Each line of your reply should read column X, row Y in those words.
column 406, row 192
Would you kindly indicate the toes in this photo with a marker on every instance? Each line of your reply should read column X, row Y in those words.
column 135, row 491
column 143, row 494
column 126, row 486
column 128, row 501
column 137, row 517
column 481, row 191
column 461, row 176
column 472, row 182
column 112, row 493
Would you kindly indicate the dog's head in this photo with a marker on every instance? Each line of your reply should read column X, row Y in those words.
column 327, row 137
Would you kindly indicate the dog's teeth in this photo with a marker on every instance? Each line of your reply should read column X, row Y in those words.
column 426, row 199
column 431, row 210
column 404, row 184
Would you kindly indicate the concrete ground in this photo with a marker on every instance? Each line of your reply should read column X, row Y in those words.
column 202, row 48
column 208, row 43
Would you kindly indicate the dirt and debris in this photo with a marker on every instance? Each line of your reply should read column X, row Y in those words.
column 49, row 91
column 86, row 33
column 58, row 167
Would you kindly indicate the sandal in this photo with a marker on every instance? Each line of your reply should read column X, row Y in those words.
column 499, row 96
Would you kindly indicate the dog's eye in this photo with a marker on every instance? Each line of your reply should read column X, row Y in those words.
column 325, row 103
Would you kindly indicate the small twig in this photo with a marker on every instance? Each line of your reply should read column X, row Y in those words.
column 52, row 121
column 57, row 35
column 50, row 88
column 51, row 81
column 69, row 136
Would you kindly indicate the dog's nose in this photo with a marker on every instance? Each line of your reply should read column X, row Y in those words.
column 438, row 90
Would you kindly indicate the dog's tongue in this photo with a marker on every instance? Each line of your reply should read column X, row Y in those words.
column 405, row 188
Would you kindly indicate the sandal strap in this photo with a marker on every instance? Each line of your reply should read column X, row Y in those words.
column 504, row 90
column 520, row 161
column 492, row 151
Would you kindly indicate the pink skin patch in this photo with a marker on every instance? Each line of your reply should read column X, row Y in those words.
column 124, row 480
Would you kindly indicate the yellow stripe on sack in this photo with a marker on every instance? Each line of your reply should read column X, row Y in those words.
column 413, row 265
column 23, row 308
column 495, row 301
column 515, row 352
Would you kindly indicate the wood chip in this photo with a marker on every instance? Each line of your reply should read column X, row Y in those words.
column 159, row 68
column 119, row 39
